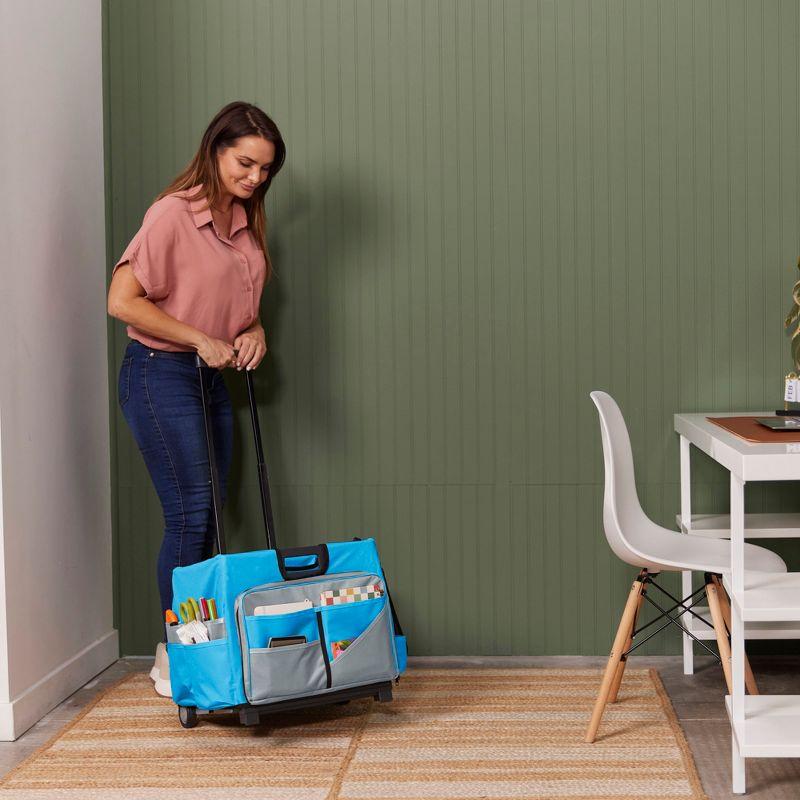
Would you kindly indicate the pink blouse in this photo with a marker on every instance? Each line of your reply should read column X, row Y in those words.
column 193, row 273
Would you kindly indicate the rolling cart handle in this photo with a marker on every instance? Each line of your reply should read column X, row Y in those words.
column 263, row 480
column 318, row 566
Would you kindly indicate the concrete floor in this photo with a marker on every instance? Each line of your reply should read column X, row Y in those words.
column 697, row 700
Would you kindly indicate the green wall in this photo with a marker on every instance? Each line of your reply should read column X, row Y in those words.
column 488, row 210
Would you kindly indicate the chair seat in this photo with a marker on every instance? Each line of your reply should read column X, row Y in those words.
column 669, row 551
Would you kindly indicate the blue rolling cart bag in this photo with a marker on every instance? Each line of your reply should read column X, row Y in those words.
column 294, row 627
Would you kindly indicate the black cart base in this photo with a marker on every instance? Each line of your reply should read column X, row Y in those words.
column 251, row 715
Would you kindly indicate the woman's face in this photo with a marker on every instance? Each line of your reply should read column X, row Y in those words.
column 243, row 166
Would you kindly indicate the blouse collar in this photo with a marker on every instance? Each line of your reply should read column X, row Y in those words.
column 202, row 216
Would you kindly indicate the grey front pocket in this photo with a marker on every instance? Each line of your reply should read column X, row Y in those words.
column 369, row 658
column 279, row 672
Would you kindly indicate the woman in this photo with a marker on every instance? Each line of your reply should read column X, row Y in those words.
column 190, row 281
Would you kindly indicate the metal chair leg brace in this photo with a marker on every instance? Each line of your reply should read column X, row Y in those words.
column 670, row 619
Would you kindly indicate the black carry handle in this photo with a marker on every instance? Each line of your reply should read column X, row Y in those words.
column 291, row 573
column 263, row 481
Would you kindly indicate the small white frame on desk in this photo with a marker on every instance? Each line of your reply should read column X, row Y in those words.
column 769, row 604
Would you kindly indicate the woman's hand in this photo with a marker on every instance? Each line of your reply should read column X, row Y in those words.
column 215, row 352
column 252, row 347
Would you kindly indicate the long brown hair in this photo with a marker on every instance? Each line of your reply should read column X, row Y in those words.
column 230, row 123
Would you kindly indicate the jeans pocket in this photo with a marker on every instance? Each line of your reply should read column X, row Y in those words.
column 124, row 382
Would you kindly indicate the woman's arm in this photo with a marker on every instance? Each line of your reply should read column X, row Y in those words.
column 127, row 302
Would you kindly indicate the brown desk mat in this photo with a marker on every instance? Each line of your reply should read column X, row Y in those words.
column 747, row 428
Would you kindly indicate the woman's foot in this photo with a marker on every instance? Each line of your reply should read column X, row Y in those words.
column 160, row 671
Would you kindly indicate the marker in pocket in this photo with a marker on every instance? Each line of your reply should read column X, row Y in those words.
column 337, row 648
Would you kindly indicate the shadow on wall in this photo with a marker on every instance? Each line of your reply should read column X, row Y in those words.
column 314, row 240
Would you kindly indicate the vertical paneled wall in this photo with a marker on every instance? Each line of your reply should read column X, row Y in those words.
column 489, row 208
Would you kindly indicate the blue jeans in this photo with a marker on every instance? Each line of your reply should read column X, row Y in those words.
column 159, row 394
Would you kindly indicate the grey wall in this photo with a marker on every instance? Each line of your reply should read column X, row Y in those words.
column 56, row 604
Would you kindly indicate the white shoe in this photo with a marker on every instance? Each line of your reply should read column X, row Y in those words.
column 163, row 687
column 161, row 662
column 160, row 671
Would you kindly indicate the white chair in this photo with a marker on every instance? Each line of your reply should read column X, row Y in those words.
column 638, row 541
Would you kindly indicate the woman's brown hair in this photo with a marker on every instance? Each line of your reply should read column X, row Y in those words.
column 235, row 120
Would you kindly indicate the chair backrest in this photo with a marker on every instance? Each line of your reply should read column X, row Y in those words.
column 624, row 521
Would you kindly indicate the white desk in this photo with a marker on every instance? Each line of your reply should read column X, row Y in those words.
column 761, row 725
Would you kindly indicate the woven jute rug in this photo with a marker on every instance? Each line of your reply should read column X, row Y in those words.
column 465, row 733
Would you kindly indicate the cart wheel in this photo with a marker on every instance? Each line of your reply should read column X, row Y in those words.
column 384, row 694
column 188, row 716
column 249, row 717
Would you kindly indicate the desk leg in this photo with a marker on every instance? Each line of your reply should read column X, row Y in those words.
column 737, row 632
column 686, row 516
column 738, row 780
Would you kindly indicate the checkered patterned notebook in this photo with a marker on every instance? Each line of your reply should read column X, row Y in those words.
column 350, row 594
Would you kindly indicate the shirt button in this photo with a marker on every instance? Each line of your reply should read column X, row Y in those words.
column 151, row 354
column 249, row 288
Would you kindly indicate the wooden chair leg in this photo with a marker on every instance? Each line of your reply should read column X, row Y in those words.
column 712, row 593
column 612, row 695
column 617, row 649
column 724, row 604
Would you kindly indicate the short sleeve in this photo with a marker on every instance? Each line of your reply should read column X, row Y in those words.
column 151, row 253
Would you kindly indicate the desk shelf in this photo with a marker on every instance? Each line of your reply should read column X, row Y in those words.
column 756, row 526
column 771, row 727
column 768, row 596
column 754, row 630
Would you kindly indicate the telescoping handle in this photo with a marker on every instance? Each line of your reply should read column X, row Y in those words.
column 263, row 480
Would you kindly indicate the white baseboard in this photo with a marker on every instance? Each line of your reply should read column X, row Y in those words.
column 28, row 708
